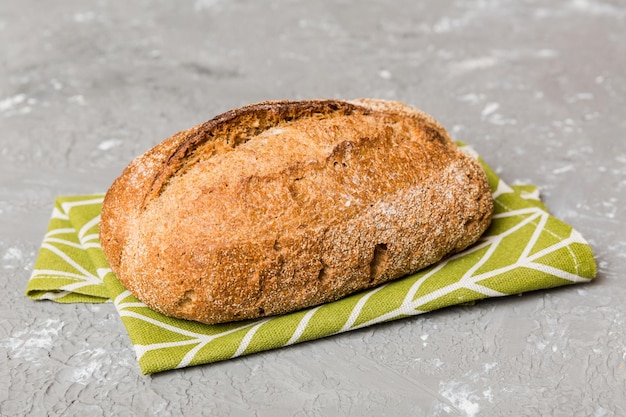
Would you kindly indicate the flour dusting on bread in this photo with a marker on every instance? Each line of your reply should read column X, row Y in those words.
column 278, row 206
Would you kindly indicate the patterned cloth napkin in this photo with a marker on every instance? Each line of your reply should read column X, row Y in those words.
column 524, row 249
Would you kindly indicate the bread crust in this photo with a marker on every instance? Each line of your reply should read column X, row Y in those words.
column 278, row 206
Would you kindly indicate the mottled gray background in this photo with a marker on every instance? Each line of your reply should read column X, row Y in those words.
column 537, row 87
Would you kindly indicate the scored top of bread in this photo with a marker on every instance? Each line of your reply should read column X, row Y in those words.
column 282, row 205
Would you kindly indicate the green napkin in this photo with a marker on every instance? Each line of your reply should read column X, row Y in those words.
column 524, row 249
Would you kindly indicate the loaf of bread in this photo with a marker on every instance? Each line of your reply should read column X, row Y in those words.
column 278, row 206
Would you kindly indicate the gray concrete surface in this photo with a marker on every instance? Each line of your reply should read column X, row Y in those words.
column 537, row 87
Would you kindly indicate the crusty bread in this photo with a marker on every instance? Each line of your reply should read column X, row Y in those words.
column 282, row 205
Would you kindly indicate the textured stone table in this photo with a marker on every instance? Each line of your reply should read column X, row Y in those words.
column 538, row 88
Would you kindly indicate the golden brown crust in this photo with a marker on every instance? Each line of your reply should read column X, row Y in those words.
column 278, row 206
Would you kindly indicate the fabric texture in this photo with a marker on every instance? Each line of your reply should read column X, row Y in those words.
column 524, row 249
